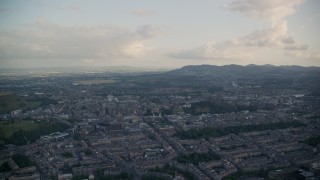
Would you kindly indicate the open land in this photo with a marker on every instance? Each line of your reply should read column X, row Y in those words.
column 196, row 122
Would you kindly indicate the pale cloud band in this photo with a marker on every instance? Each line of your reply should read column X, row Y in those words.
column 274, row 10
column 240, row 48
column 47, row 40
column 276, row 37
column 142, row 12
column 139, row 43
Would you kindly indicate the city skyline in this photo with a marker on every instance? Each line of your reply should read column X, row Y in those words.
column 35, row 34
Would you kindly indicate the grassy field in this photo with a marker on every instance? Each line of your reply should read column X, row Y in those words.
column 8, row 128
column 313, row 141
column 20, row 132
column 218, row 132
column 96, row 81
column 10, row 102
column 3, row 93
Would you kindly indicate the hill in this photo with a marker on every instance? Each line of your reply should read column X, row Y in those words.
column 249, row 70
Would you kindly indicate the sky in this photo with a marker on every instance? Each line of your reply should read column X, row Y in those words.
column 158, row 34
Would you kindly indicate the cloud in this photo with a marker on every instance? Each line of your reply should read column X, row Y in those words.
column 148, row 31
column 45, row 40
column 212, row 51
column 88, row 61
column 304, row 55
column 275, row 37
column 142, row 12
column 273, row 10
column 70, row 7
column 74, row 7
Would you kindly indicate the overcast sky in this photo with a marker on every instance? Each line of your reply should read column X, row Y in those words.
column 163, row 33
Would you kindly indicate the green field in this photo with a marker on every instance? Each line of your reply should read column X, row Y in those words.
column 8, row 128
column 208, row 132
column 11, row 102
column 3, row 93
column 313, row 141
column 22, row 132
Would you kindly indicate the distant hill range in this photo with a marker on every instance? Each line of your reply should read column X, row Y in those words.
column 61, row 70
column 249, row 70
column 191, row 70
